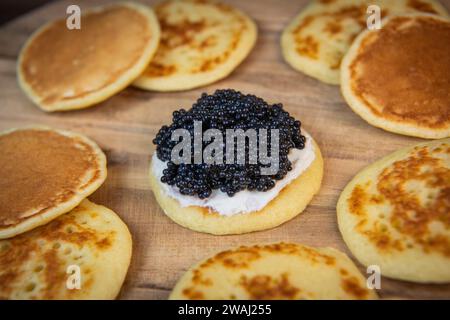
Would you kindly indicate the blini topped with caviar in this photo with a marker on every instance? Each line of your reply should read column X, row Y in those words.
column 234, row 164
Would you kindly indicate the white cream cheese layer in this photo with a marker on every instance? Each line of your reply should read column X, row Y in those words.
column 244, row 201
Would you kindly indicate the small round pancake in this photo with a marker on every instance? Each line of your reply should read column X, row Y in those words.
column 90, row 241
column 201, row 42
column 62, row 69
column 290, row 202
column 282, row 271
column 318, row 38
column 44, row 174
column 395, row 213
column 398, row 78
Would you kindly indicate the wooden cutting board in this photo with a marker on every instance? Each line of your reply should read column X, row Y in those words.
column 125, row 125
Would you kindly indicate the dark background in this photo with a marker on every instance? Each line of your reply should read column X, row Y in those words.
column 9, row 9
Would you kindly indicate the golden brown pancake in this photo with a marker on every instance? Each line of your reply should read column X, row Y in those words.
column 62, row 69
column 90, row 242
column 396, row 213
column 202, row 41
column 320, row 35
column 281, row 271
column 398, row 78
column 44, row 173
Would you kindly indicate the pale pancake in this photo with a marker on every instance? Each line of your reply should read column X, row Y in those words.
column 201, row 42
column 290, row 202
column 396, row 213
column 318, row 38
column 44, row 174
column 398, row 79
column 35, row 265
column 61, row 69
column 282, row 271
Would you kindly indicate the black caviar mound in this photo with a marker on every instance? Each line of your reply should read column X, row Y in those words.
column 228, row 109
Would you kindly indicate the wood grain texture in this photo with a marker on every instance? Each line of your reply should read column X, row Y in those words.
column 125, row 125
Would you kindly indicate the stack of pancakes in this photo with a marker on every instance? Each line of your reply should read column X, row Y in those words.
column 317, row 39
column 49, row 232
column 187, row 44
column 396, row 78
